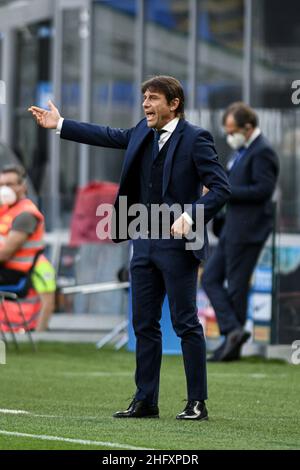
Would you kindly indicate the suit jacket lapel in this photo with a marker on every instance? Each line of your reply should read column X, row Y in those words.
column 244, row 159
column 175, row 138
column 133, row 149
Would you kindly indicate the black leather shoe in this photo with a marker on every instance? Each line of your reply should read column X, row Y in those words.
column 217, row 353
column 138, row 409
column 234, row 341
column 194, row 410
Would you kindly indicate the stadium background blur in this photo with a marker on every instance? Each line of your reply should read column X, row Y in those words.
column 91, row 56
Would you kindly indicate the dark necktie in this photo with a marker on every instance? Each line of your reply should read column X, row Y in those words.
column 238, row 155
column 155, row 150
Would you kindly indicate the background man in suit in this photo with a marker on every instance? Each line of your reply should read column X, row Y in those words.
column 167, row 161
column 253, row 173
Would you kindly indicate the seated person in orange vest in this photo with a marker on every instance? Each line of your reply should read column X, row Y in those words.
column 21, row 226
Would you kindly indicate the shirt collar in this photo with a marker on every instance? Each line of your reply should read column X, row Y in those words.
column 253, row 136
column 171, row 125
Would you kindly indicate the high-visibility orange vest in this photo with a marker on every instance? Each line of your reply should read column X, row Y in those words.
column 23, row 259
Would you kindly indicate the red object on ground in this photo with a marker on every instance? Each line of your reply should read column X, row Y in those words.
column 84, row 219
column 31, row 307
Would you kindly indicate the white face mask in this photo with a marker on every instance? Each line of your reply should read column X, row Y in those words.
column 7, row 196
column 236, row 140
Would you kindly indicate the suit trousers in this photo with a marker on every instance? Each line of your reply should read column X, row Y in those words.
column 160, row 267
column 234, row 263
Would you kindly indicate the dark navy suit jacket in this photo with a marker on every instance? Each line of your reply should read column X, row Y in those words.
column 250, row 211
column 191, row 162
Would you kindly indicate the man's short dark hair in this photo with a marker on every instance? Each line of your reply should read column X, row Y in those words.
column 19, row 170
column 168, row 86
column 242, row 114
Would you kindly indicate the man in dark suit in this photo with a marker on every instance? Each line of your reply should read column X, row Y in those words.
column 167, row 161
column 253, row 173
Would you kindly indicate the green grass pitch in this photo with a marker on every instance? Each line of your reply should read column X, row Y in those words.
column 68, row 391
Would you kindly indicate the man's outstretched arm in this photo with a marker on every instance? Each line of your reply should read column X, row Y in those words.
column 84, row 133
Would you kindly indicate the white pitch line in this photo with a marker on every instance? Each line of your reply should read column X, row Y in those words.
column 97, row 374
column 72, row 441
column 28, row 413
column 14, row 412
column 229, row 375
column 36, row 415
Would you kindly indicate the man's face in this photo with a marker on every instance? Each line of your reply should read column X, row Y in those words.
column 231, row 127
column 157, row 110
column 12, row 180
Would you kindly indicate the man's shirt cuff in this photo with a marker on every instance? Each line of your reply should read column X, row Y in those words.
column 59, row 126
column 188, row 218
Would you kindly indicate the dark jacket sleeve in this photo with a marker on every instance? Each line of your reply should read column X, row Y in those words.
column 92, row 134
column 212, row 175
column 264, row 174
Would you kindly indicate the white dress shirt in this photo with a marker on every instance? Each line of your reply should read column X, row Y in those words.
column 169, row 128
column 252, row 137
column 59, row 125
